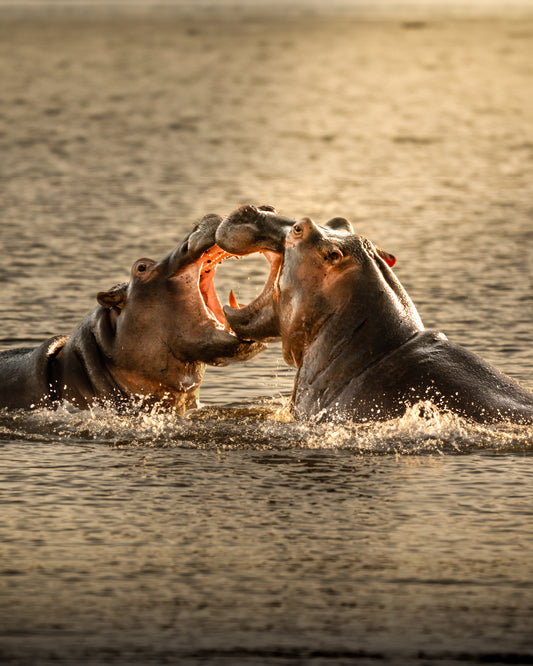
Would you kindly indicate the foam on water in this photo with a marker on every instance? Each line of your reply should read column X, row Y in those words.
column 265, row 424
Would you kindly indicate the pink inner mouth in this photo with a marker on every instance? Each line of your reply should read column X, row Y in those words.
column 207, row 265
column 275, row 260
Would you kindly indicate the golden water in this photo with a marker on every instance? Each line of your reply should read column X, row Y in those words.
column 236, row 535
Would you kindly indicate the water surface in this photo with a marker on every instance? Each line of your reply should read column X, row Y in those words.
column 235, row 535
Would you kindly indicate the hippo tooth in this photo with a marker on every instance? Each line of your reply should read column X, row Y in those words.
column 233, row 300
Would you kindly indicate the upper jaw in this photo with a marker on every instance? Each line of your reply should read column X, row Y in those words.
column 196, row 258
column 201, row 239
column 249, row 229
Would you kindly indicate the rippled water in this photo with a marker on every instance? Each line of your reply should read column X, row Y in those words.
column 234, row 535
column 232, row 539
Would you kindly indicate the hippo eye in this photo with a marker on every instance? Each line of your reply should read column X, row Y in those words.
column 297, row 230
column 142, row 266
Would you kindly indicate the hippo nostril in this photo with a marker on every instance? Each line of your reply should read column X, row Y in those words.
column 248, row 212
column 185, row 247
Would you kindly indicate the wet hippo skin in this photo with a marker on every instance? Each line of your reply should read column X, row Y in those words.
column 351, row 330
column 145, row 343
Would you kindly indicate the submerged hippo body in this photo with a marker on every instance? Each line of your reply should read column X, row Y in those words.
column 146, row 342
column 352, row 331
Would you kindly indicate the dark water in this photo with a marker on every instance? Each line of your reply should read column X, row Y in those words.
column 235, row 536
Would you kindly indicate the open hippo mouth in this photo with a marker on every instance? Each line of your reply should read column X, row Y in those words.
column 191, row 268
column 251, row 230
column 257, row 320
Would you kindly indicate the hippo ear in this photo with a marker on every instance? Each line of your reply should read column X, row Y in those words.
column 335, row 257
column 114, row 298
column 340, row 224
column 388, row 258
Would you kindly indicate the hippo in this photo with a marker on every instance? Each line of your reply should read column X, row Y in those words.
column 351, row 330
column 145, row 344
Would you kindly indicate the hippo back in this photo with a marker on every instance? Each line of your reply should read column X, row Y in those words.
column 26, row 374
column 426, row 368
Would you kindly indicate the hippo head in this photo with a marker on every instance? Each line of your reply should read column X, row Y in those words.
column 158, row 330
column 317, row 274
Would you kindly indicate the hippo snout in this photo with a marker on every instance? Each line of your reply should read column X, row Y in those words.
column 253, row 229
column 247, row 214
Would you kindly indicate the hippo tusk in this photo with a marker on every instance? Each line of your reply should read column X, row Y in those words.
column 233, row 300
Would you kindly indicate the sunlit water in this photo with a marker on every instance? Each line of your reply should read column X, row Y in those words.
column 234, row 535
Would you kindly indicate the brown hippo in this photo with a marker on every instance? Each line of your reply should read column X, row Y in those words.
column 352, row 331
column 145, row 343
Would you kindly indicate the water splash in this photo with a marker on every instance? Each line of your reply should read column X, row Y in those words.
column 265, row 424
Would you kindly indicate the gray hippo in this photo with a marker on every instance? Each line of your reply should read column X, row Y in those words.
column 351, row 330
column 145, row 343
